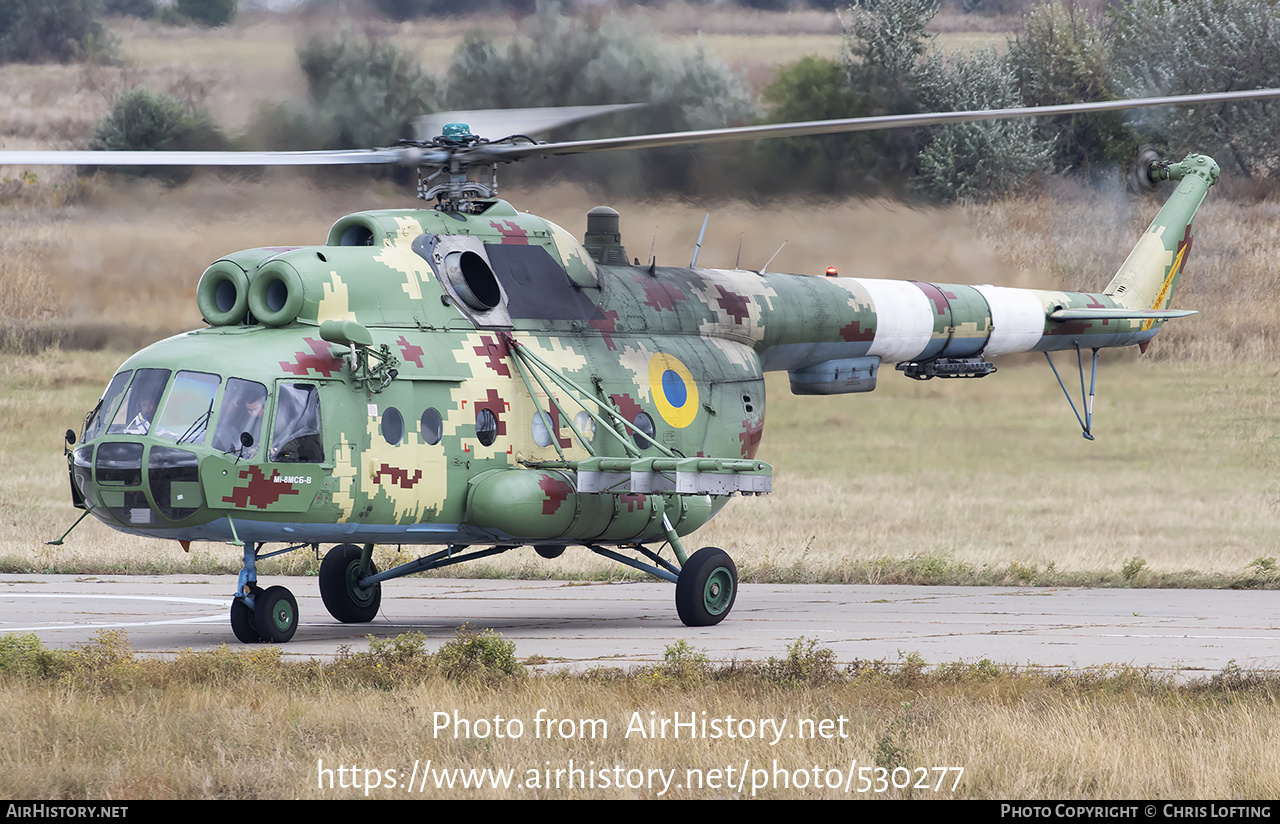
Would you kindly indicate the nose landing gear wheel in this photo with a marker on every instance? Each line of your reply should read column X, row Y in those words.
column 276, row 615
column 243, row 622
column 340, row 589
column 706, row 588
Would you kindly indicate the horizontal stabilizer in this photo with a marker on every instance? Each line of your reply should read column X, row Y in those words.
column 1119, row 314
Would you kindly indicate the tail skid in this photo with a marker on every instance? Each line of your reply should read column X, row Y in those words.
column 1086, row 422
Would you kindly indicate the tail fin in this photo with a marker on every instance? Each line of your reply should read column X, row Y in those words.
column 1149, row 275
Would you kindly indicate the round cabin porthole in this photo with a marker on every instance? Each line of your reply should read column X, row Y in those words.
column 541, row 429
column 587, row 426
column 644, row 423
column 431, row 426
column 486, row 427
column 392, row 425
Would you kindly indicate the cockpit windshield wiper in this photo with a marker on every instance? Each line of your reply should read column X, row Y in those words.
column 198, row 426
column 88, row 419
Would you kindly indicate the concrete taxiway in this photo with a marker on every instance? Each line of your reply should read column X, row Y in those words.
column 599, row 624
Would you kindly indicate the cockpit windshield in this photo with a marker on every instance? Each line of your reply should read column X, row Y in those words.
column 138, row 409
column 295, row 436
column 241, row 413
column 98, row 417
column 132, row 405
column 187, row 410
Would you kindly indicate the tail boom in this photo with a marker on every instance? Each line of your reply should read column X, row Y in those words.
column 808, row 322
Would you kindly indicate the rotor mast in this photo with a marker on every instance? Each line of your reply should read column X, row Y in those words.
column 456, row 193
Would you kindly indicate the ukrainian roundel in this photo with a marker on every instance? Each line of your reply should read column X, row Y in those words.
column 674, row 392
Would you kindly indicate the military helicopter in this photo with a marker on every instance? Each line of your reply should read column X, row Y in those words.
column 471, row 378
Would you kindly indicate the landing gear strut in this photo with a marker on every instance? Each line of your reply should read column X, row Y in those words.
column 706, row 584
column 262, row 616
column 706, row 581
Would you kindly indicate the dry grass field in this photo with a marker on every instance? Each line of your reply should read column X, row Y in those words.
column 102, row 723
column 961, row 481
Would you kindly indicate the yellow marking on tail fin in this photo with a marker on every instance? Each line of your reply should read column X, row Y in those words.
column 1168, row 283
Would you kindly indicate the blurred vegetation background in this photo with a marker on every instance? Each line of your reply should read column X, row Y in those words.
column 364, row 80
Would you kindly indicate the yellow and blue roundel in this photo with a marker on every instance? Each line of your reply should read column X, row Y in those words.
column 674, row 392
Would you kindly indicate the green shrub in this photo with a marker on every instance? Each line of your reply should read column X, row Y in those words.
column 981, row 159
column 812, row 88
column 878, row 74
column 24, row 656
column 1062, row 56
column 142, row 120
column 484, row 656
column 807, row 664
column 887, row 41
column 893, row 749
column 817, row 88
column 560, row 61
column 1205, row 46
column 683, row 663
column 362, row 90
column 52, row 31
column 890, row 70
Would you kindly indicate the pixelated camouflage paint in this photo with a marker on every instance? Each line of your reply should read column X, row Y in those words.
column 598, row 326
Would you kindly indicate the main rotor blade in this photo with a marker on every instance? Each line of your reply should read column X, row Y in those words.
column 502, row 152
column 495, row 123
column 342, row 157
column 852, row 124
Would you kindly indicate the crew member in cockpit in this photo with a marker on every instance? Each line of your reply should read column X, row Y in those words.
column 141, row 422
column 242, row 409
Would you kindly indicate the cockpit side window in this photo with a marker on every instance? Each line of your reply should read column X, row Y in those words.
column 243, row 404
column 102, row 412
column 139, row 406
column 295, row 435
column 186, row 413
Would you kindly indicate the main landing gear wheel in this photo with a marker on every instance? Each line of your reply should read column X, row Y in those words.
column 276, row 615
column 340, row 590
column 706, row 588
column 243, row 622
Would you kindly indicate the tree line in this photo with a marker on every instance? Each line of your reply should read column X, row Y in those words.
column 362, row 89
